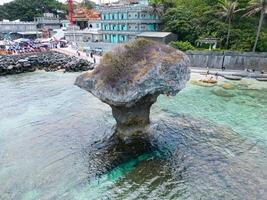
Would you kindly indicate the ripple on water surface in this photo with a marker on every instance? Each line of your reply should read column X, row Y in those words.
column 56, row 143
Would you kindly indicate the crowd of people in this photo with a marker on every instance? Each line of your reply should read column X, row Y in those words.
column 23, row 46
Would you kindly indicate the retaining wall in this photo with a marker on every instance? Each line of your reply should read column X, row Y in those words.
column 229, row 60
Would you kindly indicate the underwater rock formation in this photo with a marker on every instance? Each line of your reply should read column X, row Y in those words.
column 131, row 77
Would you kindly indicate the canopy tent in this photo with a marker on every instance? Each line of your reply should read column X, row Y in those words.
column 21, row 40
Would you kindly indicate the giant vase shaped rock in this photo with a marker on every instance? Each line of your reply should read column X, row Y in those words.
column 131, row 77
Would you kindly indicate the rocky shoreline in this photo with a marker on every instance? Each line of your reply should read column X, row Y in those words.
column 48, row 61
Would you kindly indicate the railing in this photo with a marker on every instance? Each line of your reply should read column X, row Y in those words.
column 121, row 32
column 124, row 8
column 136, row 21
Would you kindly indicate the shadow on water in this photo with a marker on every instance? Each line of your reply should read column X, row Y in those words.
column 181, row 157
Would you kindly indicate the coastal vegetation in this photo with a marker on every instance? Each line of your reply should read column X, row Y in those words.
column 26, row 10
column 238, row 25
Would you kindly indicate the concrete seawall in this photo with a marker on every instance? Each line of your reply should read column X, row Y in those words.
column 229, row 60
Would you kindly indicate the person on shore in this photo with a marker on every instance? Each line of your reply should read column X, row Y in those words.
column 216, row 75
column 208, row 71
column 91, row 54
column 78, row 53
column 94, row 60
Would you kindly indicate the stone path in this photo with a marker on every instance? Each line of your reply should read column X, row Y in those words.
column 72, row 52
column 241, row 73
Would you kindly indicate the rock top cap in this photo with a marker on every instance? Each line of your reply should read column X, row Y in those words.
column 137, row 69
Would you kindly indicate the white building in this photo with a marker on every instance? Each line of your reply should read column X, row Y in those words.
column 17, row 26
column 83, row 37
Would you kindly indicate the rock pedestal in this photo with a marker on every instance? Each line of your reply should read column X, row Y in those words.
column 134, row 119
column 131, row 77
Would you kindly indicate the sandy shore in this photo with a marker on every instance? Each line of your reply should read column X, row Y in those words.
column 252, row 83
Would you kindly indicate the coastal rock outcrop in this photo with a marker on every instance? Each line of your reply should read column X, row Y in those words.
column 48, row 61
column 131, row 77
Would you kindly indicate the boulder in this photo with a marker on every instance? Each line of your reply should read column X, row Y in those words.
column 10, row 67
column 49, row 61
column 132, row 76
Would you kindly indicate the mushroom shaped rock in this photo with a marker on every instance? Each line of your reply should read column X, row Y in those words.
column 132, row 76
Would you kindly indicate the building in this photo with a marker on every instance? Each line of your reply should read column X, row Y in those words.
column 112, row 24
column 17, row 29
column 17, row 26
column 82, row 16
column 48, row 21
column 123, row 22
column 82, row 37
column 65, row 25
column 86, row 28
column 163, row 37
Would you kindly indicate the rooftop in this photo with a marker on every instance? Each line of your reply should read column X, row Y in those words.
column 85, row 14
column 16, row 22
column 154, row 34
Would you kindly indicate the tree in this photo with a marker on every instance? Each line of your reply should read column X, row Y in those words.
column 157, row 7
column 228, row 10
column 87, row 4
column 255, row 7
column 182, row 22
column 26, row 10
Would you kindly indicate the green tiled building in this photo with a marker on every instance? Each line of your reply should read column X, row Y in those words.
column 123, row 22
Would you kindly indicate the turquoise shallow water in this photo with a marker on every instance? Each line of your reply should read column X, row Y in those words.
column 205, row 143
column 243, row 108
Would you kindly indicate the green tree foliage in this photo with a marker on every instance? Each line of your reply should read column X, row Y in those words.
column 228, row 11
column 183, row 46
column 195, row 19
column 257, row 6
column 87, row 4
column 26, row 10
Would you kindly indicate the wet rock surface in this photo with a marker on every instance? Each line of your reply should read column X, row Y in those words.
column 131, row 78
column 48, row 61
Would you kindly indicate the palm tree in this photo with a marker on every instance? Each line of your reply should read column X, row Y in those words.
column 157, row 7
column 256, row 6
column 228, row 10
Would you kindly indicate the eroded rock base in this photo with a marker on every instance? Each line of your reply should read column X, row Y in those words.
column 133, row 120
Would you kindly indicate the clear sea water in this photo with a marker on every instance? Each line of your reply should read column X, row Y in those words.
column 205, row 143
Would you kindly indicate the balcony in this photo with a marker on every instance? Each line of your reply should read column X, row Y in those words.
column 124, row 8
column 135, row 21
column 120, row 32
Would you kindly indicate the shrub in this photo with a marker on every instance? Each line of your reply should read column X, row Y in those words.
column 183, row 46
